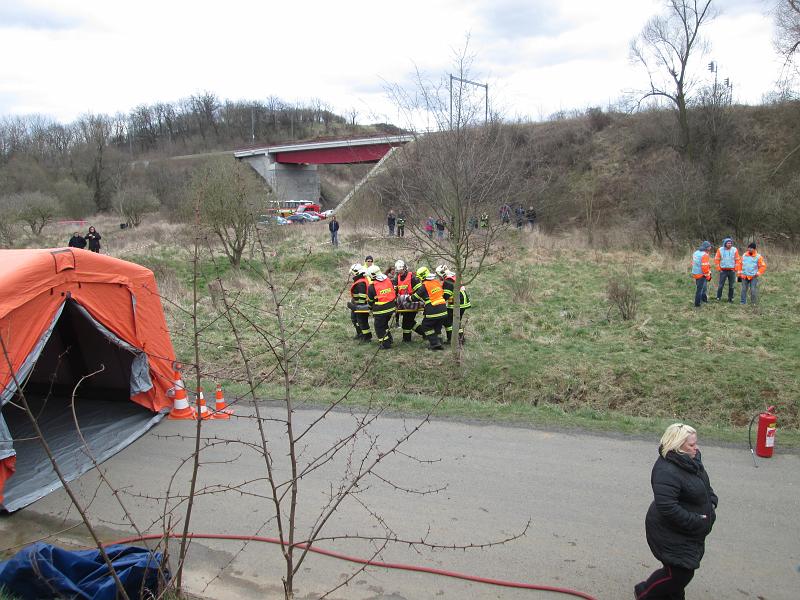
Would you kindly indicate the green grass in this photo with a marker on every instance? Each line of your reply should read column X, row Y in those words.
column 542, row 345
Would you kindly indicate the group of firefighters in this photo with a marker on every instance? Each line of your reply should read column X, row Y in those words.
column 746, row 268
column 401, row 297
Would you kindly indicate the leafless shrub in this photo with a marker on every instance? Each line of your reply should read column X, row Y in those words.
column 622, row 294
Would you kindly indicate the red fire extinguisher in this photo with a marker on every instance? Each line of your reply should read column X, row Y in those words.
column 765, row 437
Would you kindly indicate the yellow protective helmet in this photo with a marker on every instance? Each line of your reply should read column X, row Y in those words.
column 423, row 272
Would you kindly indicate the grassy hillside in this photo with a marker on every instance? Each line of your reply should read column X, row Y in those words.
column 542, row 342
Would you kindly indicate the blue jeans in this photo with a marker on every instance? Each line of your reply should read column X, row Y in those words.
column 728, row 275
column 700, row 292
column 335, row 238
column 752, row 285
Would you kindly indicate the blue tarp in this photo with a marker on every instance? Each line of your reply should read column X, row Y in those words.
column 45, row 571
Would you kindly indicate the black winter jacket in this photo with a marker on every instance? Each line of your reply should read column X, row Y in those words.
column 676, row 531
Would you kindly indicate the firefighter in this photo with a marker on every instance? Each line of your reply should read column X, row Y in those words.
column 381, row 296
column 358, row 298
column 404, row 282
column 448, row 285
column 429, row 290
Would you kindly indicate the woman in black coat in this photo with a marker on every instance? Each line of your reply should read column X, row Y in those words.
column 94, row 239
column 681, row 515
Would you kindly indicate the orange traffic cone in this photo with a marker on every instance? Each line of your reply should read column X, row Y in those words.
column 221, row 410
column 180, row 403
column 202, row 410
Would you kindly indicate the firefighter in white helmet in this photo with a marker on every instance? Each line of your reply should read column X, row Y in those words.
column 381, row 296
column 358, row 301
column 404, row 282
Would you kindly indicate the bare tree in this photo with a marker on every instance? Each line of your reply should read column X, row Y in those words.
column 787, row 28
column 459, row 175
column 664, row 47
column 231, row 198
column 35, row 209
column 132, row 203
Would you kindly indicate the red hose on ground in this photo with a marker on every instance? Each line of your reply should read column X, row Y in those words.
column 361, row 561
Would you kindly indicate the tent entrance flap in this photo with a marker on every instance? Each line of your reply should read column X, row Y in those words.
column 78, row 347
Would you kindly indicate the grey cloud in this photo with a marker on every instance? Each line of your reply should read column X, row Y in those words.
column 17, row 15
column 519, row 18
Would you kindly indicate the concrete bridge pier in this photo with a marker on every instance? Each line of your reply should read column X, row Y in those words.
column 288, row 181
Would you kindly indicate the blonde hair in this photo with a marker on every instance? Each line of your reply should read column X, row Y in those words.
column 675, row 436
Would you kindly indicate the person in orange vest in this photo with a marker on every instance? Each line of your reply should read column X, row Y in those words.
column 404, row 282
column 381, row 296
column 448, row 285
column 728, row 263
column 429, row 291
column 358, row 303
column 752, row 268
column 701, row 271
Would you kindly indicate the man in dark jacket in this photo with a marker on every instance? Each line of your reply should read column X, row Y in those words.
column 681, row 515
column 333, row 227
column 77, row 241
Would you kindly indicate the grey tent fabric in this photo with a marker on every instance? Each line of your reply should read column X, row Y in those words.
column 75, row 349
column 140, row 369
column 106, row 432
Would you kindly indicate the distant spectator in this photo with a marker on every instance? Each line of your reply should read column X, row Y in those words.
column 530, row 214
column 519, row 214
column 429, row 226
column 401, row 225
column 440, row 226
column 77, row 241
column 390, row 221
column 333, row 227
column 505, row 214
column 94, row 239
column 484, row 220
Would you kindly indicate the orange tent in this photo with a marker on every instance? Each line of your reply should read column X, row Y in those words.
column 76, row 325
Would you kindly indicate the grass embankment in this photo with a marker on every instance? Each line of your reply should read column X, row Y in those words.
column 542, row 345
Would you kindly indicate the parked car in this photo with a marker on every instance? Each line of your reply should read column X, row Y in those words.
column 327, row 214
column 314, row 213
column 308, row 206
column 267, row 220
column 302, row 218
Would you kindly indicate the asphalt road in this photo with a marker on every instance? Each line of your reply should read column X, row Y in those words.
column 585, row 496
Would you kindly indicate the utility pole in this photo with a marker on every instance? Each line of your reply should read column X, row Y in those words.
column 485, row 86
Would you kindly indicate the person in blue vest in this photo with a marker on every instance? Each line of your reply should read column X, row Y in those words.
column 728, row 263
column 753, row 267
column 701, row 272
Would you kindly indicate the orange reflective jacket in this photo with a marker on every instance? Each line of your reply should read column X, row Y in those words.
column 404, row 283
column 384, row 291
column 435, row 291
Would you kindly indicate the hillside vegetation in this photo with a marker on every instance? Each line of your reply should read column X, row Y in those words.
column 543, row 342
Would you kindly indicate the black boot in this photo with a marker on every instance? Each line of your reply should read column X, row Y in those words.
column 357, row 336
column 407, row 337
column 386, row 344
column 435, row 342
column 449, row 336
column 367, row 337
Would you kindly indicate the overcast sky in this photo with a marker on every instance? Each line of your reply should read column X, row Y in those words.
column 63, row 58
